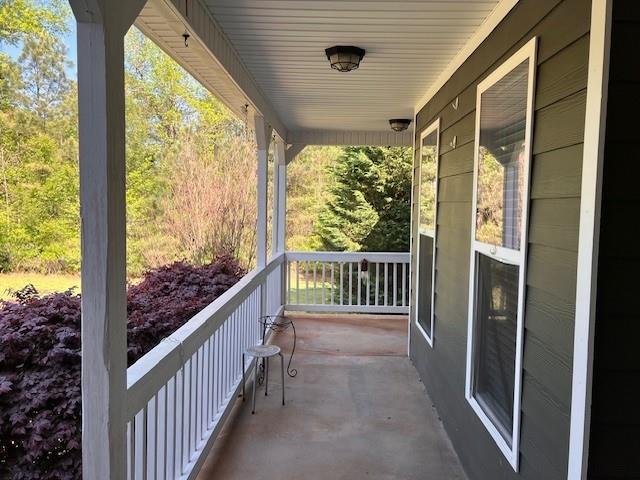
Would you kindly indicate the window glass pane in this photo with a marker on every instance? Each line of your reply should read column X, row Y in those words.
column 501, row 162
column 495, row 340
column 425, row 282
column 428, row 153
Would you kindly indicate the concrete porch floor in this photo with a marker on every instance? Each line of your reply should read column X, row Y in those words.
column 355, row 410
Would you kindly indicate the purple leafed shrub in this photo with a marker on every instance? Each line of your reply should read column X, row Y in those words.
column 40, row 405
column 171, row 295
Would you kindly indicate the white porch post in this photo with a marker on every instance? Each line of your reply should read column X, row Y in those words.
column 263, row 139
column 280, row 196
column 280, row 213
column 101, row 29
column 284, row 155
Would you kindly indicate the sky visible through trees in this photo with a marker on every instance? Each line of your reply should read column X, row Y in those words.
column 190, row 163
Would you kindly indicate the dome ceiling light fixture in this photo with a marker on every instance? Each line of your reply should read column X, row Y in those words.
column 344, row 58
column 399, row 124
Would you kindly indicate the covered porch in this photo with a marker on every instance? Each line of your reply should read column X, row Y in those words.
column 357, row 408
column 161, row 417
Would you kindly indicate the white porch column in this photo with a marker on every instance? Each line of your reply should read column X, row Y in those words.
column 280, row 196
column 263, row 139
column 280, row 213
column 101, row 29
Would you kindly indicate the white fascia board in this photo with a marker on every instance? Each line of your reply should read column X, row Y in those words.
column 209, row 51
column 491, row 22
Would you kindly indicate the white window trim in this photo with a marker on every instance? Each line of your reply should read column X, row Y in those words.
column 434, row 127
column 511, row 452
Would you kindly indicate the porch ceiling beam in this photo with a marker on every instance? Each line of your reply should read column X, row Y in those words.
column 292, row 152
column 346, row 137
column 95, row 11
column 210, row 56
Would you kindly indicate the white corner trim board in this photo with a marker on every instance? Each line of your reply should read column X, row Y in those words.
column 588, row 237
column 491, row 22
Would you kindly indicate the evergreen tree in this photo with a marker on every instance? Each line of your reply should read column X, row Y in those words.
column 369, row 204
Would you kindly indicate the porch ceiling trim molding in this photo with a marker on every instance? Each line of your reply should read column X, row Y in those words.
column 492, row 21
column 341, row 137
column 165, row 21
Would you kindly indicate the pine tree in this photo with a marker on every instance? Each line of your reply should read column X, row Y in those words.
column 369, row 205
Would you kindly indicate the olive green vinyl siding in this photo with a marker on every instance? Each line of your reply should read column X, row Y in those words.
column 614, row 447
column 562, row 28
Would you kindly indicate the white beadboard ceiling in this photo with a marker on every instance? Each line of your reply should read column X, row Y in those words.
column 408, row 44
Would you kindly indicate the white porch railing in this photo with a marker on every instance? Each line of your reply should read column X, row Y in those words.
column 180, row 393
column 361, row 282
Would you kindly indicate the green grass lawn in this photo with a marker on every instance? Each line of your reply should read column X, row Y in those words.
column 307, row 294
column 44, row 283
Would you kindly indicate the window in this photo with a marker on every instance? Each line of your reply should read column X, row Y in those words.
column 426, row 244
column 498, row 247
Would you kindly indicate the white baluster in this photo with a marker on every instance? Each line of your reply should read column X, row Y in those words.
column 377, row 283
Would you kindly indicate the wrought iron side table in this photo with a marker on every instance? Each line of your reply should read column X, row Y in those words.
column 264, row 352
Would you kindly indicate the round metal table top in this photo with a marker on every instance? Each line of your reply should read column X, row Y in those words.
column 262, row 350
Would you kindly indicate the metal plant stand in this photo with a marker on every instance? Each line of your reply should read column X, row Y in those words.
column 277, row 324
